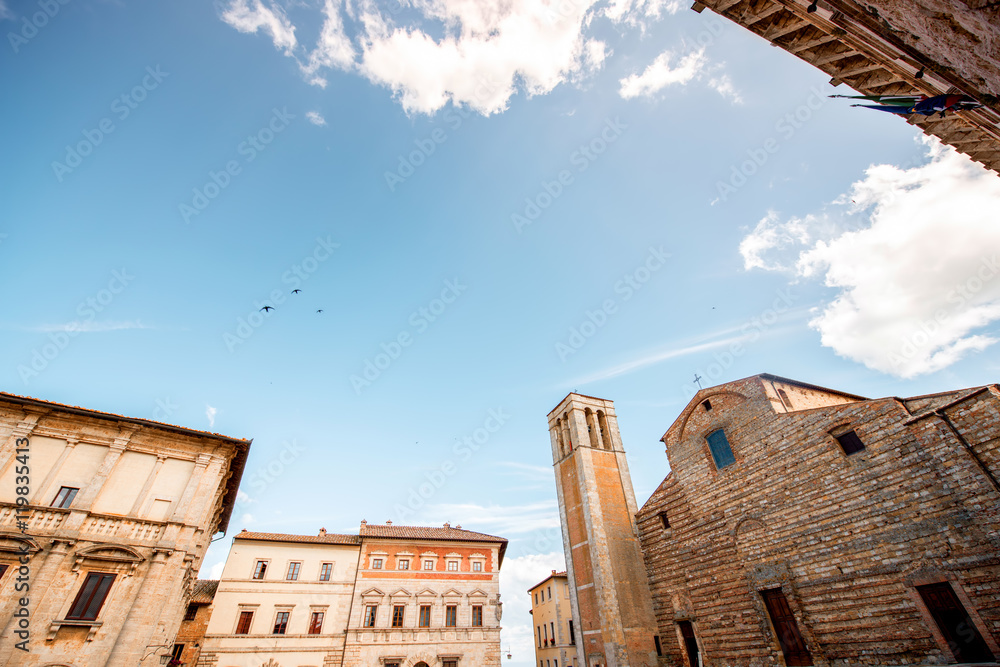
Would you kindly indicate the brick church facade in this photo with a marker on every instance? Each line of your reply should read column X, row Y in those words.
column 805, row 526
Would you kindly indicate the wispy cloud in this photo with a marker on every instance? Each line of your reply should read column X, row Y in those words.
column 711, row 341
column 315, row 118
column 81, row 327
column 210, row 412
column 663, row 73
column 496, row 519
column 5, row 12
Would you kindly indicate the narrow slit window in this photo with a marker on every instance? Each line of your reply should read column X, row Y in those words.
column 722, row 453
column 664, row 521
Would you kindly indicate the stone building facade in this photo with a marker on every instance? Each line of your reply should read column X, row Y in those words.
column 895, row 47
column 805, row 526
column 552, row 619
column 609, row 595
column 106, row 519
column 394, row 596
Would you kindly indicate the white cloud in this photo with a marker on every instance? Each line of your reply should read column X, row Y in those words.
column 470, row 52
column 249, row 16
column 210, row 412
column 5, row 12
column 334, row 50
column 916, row 278
column 517, row 575
column 216, row 570
column 315, row 118
column 659, row 74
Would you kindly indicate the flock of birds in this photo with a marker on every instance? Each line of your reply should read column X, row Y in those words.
column 268, row 309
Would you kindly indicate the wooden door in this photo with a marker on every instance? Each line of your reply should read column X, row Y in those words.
column 690, row 643
column 792, row 644
column 954, row 622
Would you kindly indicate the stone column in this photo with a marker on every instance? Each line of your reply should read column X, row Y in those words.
column 85, row 499
column 131, row 643
column 140, row 499
column 37, row 498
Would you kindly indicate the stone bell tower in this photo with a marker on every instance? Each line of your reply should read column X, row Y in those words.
column 609, row 592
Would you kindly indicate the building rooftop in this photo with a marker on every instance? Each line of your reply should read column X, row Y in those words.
column 323, row 538
column 204, row 591
column 551, row 576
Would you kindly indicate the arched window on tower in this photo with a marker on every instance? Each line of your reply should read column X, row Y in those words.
column 592, row 428
column 602, row 422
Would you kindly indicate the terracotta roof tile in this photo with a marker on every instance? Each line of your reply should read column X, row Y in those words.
column 204, row 591
column 326, row 538
column 426, row 533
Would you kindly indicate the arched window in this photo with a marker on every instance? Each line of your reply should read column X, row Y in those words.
column 602, row 422
column 592, row 428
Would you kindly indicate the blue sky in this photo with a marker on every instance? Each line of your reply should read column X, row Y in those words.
column 608, row 198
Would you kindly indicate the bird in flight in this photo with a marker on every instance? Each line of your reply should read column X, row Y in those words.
column 296, row 291
column 320, row 310
column 267, row 308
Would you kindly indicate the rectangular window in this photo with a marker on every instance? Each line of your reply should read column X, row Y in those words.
column 191, row 613
column 664, row 520
column 659, row 648
column 293, row 571
column 177, row 651
column 90, row 599
column 850, row 442
column 243, row 626
column 477, row 567
column 371, row 611
column 428, row 565
column 260, row 569
column 451, row 616
column 404, row 565
column 572, row 637
column 376, row 563
column 536, row 597
column 397, row 616
column 453, row 566
column 449, row 663
column 550, row 592
column 280, row 622
column 539, row 636
column 65, row 496
column 325, row 570
column 425, row 616
column 477, row 615
column 722, row 453
column 316, row 622
column 552, row 627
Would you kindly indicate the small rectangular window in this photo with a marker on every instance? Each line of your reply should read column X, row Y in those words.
column 449, row 663
column 722, row 453
column 65, row 497
column 664, row 520
column 451, row 616
column 425, row 616
column 293, row 572
column 707, row 404
column 191, row 613
column 453, row 566
column 316, row 622
column 325, row 570
column 477, row 615
column 177, row 651
column 280, row 622
column 243, row 626
column 371, row 611
column 397, row 616
column 428, row 564
column 260, row 569
column 477, row 567
column 850, row 442
column 91, row 597
column 376, row 563
column 404, row 564
column 572, row 637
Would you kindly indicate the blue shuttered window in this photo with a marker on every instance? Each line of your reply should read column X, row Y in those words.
column 722, row 453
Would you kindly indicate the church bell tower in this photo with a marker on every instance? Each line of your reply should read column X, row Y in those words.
column 609, row 591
